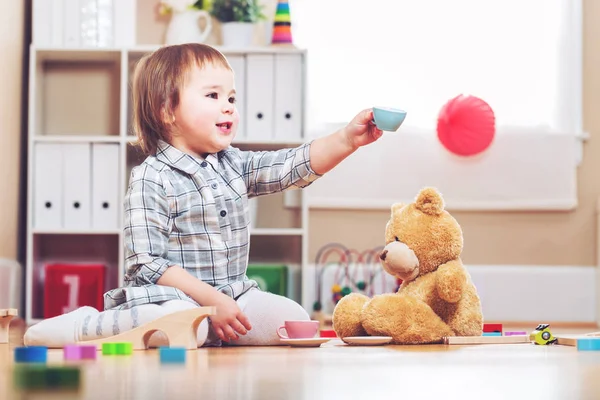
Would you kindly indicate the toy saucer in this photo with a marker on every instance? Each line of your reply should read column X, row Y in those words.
column 307, row 342
column 367, row 340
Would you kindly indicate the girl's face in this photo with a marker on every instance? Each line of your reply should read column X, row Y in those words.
column 206, row 119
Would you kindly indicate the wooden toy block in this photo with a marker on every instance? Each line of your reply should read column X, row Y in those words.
column 491, row 334
column 46, row 377
column 6, row 315
column 172, row 355
column 492, row 328
column 119, row 349
column 31, row 354
column 76, row 352
column 180, row 328
column 515, row 333
column 486, row 339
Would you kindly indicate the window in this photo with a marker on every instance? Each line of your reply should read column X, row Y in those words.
column 521, row 56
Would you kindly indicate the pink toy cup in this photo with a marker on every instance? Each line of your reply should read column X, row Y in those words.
column 299, row 329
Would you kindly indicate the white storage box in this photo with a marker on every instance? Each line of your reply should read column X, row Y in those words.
column 10, row 284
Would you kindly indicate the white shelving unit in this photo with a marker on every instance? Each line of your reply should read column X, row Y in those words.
column 80, row 155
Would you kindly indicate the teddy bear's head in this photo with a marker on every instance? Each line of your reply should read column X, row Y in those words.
column 420, row 237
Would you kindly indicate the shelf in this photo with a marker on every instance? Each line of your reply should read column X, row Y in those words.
column 62, row 53
column 75, row 232
column 77, row 138
column 70, row 248
column 81, row 54
column 75, row 93
column 277, row 232
column 249, row 144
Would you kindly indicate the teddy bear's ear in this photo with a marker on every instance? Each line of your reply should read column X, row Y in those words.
column 430, row 201
column 396, row 207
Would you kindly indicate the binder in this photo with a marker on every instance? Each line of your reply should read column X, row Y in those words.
column 288, row 97
column 76, row 178
column 105, row 186
column 259, row 99
column 47, row 186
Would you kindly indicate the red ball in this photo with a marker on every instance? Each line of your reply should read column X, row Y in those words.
column 466, row 125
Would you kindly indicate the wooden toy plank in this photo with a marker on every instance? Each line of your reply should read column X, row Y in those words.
column 571, row 339
column 486, row 339
column 6, row 315
column 180, row 327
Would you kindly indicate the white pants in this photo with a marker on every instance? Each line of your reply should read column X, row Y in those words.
column 266, row 312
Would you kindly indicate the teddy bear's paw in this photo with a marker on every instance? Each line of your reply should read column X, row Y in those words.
column 346, row 315
column 406, row 319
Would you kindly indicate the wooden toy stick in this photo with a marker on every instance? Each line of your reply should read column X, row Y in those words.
column 486, row 339
column 180, row 327
column 6, row 315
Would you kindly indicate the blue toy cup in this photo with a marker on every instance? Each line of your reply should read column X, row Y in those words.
column 387, row 118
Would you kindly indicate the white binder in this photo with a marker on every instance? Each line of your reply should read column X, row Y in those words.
column 47, row 186
column 238, row 63
column 288, row 97
column 105, row 186
column 71, row 23
column 124, row 22
column 259, row 96
column 77, row 189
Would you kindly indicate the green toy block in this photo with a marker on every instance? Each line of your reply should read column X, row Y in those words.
column 109, row 349
column 121, row 349
column 46, row 377
column 270, row 277
column 124, row 349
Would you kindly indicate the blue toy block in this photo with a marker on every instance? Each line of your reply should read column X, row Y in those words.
column 172, row 355
column 588, row 344
column 31, row 354
column 491, row 334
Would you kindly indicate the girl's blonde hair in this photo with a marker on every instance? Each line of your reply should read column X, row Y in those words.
column 157, row 83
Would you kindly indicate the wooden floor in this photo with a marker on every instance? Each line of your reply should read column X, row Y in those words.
column 333, row 371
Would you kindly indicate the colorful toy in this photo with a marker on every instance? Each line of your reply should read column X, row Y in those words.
column 491, row 334
column 180, row 328
column 31, row 354
column 6, row 316
column 120, row 349
column 466, row 125
column 75, row 352
column 588, row 344
column 282, row 25
column 542, row 335
column 515, row 333
column 422, row 241
column 46, row 377
column 172, row 355
column 492, row 328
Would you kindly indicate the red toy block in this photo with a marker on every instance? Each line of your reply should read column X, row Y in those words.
column 492, row 328
column 70, row 286
column 327, row 333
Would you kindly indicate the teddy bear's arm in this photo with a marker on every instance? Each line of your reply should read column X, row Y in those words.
column 450, row 281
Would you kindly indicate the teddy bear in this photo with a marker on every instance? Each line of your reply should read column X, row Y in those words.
column 437, row 297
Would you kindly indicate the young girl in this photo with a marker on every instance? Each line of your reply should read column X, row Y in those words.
column 186, row 209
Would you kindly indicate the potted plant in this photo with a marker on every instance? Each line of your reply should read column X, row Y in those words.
column 237, row 18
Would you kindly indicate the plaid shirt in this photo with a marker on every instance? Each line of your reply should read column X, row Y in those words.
column 193, row 213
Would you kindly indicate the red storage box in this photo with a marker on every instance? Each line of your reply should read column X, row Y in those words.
column 70, row 286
